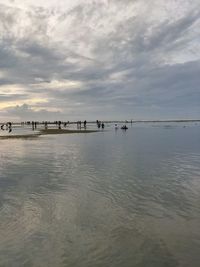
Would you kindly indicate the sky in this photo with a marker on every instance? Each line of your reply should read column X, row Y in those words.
column 99, row 59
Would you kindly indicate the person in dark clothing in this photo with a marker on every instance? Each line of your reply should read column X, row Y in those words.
column 46, row 125
column 33, row 125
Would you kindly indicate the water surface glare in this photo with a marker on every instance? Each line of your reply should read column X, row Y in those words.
column 109, row 199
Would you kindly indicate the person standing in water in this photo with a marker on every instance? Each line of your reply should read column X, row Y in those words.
column 46, row 125
column 9, row 125
column 33, row 125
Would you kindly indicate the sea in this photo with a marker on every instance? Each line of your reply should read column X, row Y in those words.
column 112, row 198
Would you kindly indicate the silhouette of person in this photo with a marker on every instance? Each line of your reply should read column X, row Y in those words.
column 59, row 125
column 45, row 125
column 33, row 125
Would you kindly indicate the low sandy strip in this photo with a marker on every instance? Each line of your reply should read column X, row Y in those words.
column 63, row 131
column 22, row 136
column 45, row 132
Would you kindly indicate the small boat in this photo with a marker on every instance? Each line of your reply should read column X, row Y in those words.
column 124, row 127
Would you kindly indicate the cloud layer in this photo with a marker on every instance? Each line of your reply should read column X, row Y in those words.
column 108, row 59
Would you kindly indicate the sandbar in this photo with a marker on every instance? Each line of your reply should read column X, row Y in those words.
column 46, row 132
column 64, row 131
column 22, row 136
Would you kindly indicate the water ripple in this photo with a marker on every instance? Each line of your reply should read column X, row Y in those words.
column 105, row 199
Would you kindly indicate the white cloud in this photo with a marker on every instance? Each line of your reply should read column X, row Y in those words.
column 59, row 84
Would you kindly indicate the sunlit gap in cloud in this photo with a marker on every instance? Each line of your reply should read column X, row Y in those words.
column 59, row 84
column 10, row 89
column 31, row 102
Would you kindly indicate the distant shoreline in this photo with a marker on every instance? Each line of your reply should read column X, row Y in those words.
column 115, row 121
column 56, row 131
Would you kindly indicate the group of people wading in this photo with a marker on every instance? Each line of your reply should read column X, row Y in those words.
column 79, row 123
column 7, row 126
column 100, row 124
column 59, row 124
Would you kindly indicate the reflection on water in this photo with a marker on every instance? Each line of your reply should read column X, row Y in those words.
column 102, row 199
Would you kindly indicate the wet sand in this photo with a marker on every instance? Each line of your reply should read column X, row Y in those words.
column 64, row 131
column 46, row 132
column 26, row 136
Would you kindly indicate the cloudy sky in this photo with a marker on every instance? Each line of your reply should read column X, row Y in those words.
column 99, row 59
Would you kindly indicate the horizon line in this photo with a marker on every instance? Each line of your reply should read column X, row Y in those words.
column 108, row 121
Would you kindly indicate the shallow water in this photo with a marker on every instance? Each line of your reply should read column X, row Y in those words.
column 109, row 199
